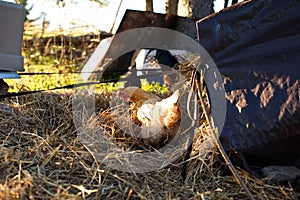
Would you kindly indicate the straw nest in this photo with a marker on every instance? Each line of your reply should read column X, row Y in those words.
column 42, row 157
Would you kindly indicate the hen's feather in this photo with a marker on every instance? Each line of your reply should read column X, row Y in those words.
column 159, row 118
column 137, row 95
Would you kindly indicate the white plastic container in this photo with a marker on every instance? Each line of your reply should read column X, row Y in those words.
column 11, row 36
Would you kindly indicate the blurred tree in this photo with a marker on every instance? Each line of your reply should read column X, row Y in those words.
column 195, row 9
column 171, row 7
column 62, row 3
column 226, row 3
column 149, row 5
column 27, row 9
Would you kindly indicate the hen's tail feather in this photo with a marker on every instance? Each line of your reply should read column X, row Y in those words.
column 174, row 97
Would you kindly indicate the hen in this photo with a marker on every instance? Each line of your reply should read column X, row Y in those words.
column 159, row 118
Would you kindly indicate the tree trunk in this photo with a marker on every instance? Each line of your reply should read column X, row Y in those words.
column 195, row 9
column 149, row 5
column 3, row 87
column 171, row 7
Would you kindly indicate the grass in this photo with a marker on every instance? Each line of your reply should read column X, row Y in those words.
column 34, row 62
column 63, row 75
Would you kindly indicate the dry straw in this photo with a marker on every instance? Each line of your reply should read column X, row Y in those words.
column 41, row 157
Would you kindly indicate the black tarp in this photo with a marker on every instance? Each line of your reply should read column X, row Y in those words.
column 256, row 46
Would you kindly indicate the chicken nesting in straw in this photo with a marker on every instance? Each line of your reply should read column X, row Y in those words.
column 159, row 118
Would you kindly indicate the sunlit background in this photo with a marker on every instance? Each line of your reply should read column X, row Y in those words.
column 77, row 13
column 84, row 12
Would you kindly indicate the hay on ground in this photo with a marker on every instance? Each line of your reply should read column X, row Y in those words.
column 41, row 156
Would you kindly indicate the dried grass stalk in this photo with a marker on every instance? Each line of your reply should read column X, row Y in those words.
column 41, row 157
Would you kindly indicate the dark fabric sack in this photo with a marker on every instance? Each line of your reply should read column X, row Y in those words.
column 256, row 46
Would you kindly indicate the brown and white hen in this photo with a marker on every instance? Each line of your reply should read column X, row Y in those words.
column 159, row 118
